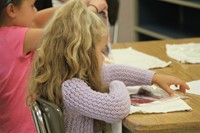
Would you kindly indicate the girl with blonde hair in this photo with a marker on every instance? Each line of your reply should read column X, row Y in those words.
column 69, row 71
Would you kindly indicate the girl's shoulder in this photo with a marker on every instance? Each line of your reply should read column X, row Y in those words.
column 74, row 83
column 12, row 28
column 13, row 31
column 76, row 86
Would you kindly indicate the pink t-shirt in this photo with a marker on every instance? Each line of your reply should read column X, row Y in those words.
column 15, row 115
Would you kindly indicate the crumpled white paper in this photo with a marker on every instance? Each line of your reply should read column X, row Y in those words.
column 131, row 57
column 169, row 105
column 184, row 53
column 163, row 105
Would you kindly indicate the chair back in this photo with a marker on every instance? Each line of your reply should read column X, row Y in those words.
column 47, row 116
column 113, row 10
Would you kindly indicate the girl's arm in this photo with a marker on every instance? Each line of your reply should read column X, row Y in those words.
column 101, row 5
column 135, row 76
column 42, row 17
column 32, row 40
column 109, row 107
column 35, row 32
column 131, row 76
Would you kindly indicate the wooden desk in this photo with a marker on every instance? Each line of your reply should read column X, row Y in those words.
column 169, row 122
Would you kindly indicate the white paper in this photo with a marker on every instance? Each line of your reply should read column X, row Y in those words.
column 170, row 105
column 131, row 57
column 184, row 53
column 163, row 105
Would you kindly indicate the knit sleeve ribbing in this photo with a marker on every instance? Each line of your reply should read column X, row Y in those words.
column 129, row 75
column 109, row 107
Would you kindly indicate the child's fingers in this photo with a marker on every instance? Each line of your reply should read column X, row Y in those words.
column 184, row 87
column 169, row 91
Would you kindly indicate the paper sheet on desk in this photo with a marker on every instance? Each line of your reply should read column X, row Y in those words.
column 170, row 105
column 184, row 53
column 129, row 56
column 163, row 105
column 194, row 87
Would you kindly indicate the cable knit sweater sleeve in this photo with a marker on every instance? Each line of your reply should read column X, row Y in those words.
column 129, row 75
column 109, row 107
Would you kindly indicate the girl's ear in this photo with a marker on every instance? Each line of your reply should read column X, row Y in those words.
column 11, row 10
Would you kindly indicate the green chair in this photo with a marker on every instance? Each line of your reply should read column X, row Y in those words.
column 48, row 117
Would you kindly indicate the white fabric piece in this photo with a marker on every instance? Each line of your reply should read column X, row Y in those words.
column 131, row 57
column 194, row 87
column 184, row 53
column 163, row 106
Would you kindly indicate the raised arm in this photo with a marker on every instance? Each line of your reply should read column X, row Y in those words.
column 43, row 16
column 35, row 32
column 100, row 5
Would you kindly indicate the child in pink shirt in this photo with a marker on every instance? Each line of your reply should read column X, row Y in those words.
column 17, row 43
column 21, row 28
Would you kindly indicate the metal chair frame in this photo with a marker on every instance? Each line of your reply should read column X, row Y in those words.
column 48, row 117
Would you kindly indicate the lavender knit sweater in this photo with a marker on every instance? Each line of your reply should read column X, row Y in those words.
column 82, row 104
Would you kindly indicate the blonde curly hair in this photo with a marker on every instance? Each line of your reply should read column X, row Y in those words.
column 67, row 51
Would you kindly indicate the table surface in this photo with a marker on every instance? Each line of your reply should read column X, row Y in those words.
column 168, row 122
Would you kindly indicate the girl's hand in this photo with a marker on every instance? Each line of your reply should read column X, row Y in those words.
column 165, row 81
column 101, row 5
column 86, row 1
